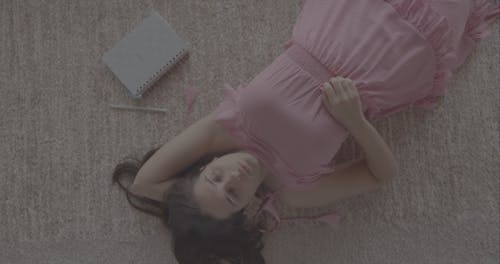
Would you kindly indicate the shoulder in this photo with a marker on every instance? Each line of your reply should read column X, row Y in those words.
column 221, row 140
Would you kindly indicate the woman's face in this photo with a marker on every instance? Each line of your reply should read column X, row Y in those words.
column 227, row 184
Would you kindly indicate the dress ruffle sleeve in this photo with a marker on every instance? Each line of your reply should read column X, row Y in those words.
column 480, row 19
column 229, row 116
column 434, row 27
column 232, row 118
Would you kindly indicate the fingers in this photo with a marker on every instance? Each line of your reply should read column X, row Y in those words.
column 329, row 91
column 343, row 84
column 324, row 98
column 336, row 87
column 340, row 87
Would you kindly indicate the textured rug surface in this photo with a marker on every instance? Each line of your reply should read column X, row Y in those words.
column 60, row 140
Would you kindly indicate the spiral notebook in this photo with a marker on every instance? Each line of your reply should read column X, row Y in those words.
column 145, row 54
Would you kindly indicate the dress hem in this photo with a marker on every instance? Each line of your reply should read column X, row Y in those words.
column 435, row 28
column 480, row 20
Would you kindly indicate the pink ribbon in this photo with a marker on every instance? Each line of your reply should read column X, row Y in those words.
column 190, row 93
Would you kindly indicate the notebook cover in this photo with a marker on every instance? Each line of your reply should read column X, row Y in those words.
column 145, row 54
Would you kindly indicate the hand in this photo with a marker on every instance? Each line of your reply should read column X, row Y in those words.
column 342, row 101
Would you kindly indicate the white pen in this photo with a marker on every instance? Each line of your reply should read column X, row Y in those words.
column 138, row 108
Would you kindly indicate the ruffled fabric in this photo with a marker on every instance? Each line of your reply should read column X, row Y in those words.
column 433, row 27
column 480, row 19
column 248, row 117
column 230, row 116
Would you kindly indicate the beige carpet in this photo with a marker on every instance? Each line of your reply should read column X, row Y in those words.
column 60, row 141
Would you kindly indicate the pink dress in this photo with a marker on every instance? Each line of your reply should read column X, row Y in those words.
column 399, row 53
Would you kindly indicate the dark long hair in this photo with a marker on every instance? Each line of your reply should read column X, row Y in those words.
column 197, row 238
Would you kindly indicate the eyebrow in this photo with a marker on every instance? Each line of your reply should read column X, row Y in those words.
column 225, row 196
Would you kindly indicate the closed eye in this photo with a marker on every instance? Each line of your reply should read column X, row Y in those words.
column 225, row 196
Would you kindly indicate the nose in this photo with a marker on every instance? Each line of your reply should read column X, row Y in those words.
column 232, row 178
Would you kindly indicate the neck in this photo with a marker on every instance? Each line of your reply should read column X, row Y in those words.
column 269, row 179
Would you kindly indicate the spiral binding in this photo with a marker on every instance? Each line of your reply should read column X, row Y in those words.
column 171, row 64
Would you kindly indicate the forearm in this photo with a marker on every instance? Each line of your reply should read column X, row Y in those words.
column 154, row 191
column 177, row 154
column 379, row 156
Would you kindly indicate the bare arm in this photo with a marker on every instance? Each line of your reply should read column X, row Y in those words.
column 178, row 153
column 341, row 98
column 152, row 191
column 379, row 156
column 201, row 138
column 351, row 178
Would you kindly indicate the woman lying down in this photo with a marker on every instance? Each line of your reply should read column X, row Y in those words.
column 347, row 62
